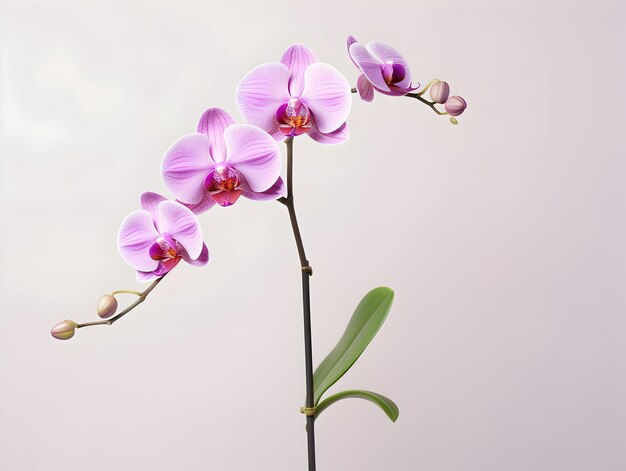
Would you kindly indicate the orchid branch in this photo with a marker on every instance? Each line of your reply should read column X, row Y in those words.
column 65, row 330
column 418, row 96
column 289, row 202
column 140, row 299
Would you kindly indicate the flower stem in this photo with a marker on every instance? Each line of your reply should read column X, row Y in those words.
column 141, row 298
column 126, row 291
column 418, row 96
column 307, row 272
column 426, row 102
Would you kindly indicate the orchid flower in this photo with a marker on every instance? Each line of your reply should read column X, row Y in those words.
column 155, row 238
column 382, row 68
column 222, row 162
column 296, row 96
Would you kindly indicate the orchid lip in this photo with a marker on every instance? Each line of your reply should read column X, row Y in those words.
column 294, row 118
column 164, row 248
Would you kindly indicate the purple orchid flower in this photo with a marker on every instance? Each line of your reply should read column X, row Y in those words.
column 155, row 238
column 296, row 96
column 222, row 162
column 382, row 68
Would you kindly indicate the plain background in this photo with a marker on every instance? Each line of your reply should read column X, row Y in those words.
column 503, row 238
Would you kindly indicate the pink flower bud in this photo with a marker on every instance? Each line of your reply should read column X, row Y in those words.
column 455, row 105
column 439, row 91
column 64, row 330
column 107, row 305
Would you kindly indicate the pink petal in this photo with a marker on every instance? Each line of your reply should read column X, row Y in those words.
column 149, row 202
column 226, row 198
column 213, row 123
column 166, row 266
column 328, row 95
column 297, row 58
column 396, row 91
column 136, row 235
column 336, row 137
column 365, row 88
column 277, row 190
column 146, row 276
column 383, row 52
column 349, row 42
column 181, row 224
column 369, row 65
column 185, row 166
column 202, row 260
column 254, row 154
column 261, row 92
column 205, row 204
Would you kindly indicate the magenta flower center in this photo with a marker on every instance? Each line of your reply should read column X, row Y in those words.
column 224, row 185
column 164, row 248
column 393, row 73
column 294, row 118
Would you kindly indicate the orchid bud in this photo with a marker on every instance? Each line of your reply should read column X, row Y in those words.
column 455, row 105
column 64, row 330
column 439, row 91
column 107, row 306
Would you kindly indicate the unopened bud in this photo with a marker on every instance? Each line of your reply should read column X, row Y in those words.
column 64, row 330
column 107, row 305
column 455, row 105
column 439, row 91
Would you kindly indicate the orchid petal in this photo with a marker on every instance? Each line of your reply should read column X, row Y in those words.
column 180, row 223
column 369, row 65
column 149, row 202
column 185, row 166
column 261, row 92
column 166, row 266
column 213, row 123
column 254, row 154
column 349, row 42
column 365, row 88
column 136, row 235
column 146, row 276
column 226, row 198
column 395, row 91
column 336, row 137
column 205, row 204
column 328, row 95
column 383, row 52
column 202, row 260
column 277, row 190
column 297, row 58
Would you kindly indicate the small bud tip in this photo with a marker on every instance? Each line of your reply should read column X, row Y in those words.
column 107, row 305
column 455, row 105
column 64, row 330
column 439, row 91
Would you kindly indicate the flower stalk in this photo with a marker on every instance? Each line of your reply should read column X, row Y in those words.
column 307, row 272
column 140, row 299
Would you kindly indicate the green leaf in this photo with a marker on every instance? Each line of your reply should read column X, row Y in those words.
column 387, row 405
column 368, row 316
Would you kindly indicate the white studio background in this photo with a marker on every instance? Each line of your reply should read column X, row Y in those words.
column 503, row 238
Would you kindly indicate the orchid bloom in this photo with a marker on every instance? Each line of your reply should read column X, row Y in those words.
column 382, row 68
column 295, row 96
column 155, row 238
column 222, row 162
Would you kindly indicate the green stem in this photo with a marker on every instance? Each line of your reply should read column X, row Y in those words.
column 418, row 96
column 142, row 297
column 306, row 273
column 126, row 291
